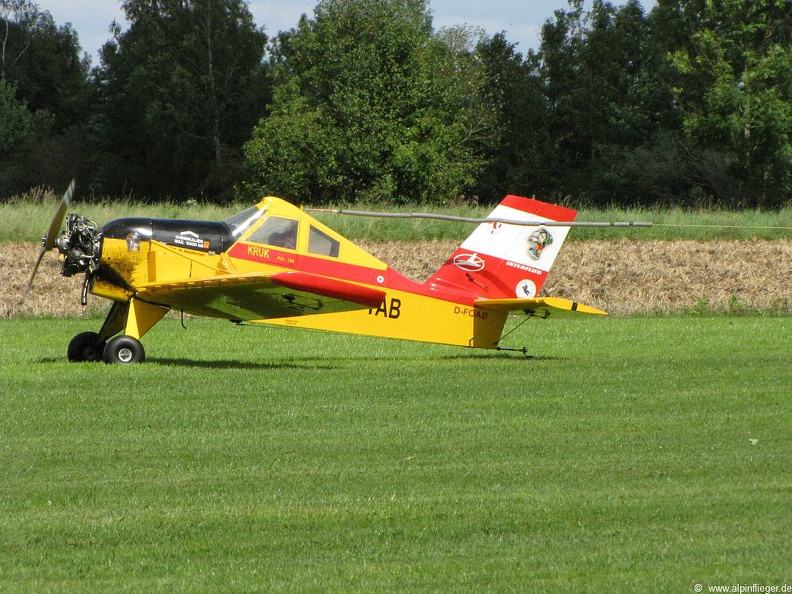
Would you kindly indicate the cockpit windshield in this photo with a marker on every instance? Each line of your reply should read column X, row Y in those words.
column 241, row 222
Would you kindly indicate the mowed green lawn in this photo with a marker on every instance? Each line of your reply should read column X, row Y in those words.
column 630, row 455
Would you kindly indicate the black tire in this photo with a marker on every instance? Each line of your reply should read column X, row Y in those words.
column 124, row 349
column 86, row 347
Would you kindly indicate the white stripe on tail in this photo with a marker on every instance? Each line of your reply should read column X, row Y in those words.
column 503, row 261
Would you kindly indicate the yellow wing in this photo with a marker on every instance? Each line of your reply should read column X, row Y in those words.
column 542, row 307
column 257, row 296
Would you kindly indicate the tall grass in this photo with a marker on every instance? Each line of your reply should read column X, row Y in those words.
column 26, row 218
column 696, row 224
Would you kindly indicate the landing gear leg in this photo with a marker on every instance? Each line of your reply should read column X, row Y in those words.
column 89, row 346
column 134, row 318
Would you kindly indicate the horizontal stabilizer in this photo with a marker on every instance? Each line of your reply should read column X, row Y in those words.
column 542, row 307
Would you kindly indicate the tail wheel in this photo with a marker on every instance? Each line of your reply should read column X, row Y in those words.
column 124, row 349
column 86, row 347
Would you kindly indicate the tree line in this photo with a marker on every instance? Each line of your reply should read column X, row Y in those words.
column 364, row 100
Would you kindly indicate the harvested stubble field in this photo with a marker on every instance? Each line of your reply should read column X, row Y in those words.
column 623, row 277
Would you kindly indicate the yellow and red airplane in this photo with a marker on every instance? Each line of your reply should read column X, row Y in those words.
column 275, row 264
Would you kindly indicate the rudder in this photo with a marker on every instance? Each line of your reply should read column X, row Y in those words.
column 502, row 261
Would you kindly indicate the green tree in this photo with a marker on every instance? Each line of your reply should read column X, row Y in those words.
column 520, row 161
column 180, row 92
column 371, row 103
column 632, row 106
column 43, row 65
column 732, row 76
column 17, row 138
column 17, row 19
column 609, row 104
column 44, row 62
column 567, row 92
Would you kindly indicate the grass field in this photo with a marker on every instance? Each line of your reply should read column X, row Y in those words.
column 630, row 455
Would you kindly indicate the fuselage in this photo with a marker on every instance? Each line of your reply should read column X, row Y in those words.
column 274, row 264
column 271, row 238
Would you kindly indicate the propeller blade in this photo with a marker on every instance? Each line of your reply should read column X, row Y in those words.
column 52, row 233
column 48, row 241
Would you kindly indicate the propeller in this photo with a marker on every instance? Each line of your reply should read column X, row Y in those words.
column 48, row 241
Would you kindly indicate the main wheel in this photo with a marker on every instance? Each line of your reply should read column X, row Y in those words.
column 124, row 349
column 85, row 347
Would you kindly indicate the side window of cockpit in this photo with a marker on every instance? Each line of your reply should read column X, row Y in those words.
column 278, row 232
column 322, row 244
